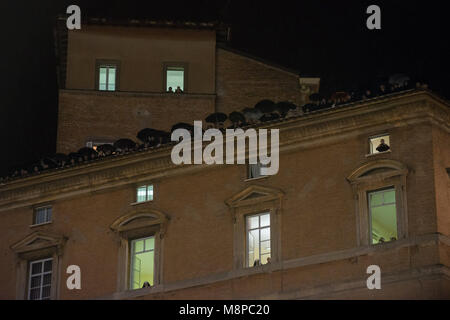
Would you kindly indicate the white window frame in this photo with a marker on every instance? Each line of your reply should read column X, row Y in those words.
column 373, row 148
column 132, row 253
column 108, row 66
column 146, row 186
column 47, row 219
column 259, row 228
column 42, row 274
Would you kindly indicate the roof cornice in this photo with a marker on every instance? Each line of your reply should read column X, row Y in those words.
column 300, row 132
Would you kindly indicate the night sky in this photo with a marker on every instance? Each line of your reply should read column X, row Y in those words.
column 328, row 39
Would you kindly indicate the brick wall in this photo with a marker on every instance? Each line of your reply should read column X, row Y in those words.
column 84, row 115
column 241, row 82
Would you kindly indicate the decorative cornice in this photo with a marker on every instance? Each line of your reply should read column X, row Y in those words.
column 140, row 218
column 300, row 132
column 39, row 241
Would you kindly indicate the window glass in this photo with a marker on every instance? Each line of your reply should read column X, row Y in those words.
column 145, row 193
column 258, row 239
column 42, row 215
column 40, row 280
column 142, row 262
column 379, row 144
column 107, row 78
column 383, row 215
column 254, row 171
column 150, row 193
column 175, row 78
column 102, row 78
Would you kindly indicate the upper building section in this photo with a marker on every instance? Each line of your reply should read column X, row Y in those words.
column 139, row 58
column 117, row 78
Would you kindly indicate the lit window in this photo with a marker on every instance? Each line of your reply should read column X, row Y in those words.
column 258, row 239
column 174, row 78
column 254, row 171
column 145, row 193
column 142, row 262
column 40, row 280
column 383, row 216
column 107, row 78
column 379, row 144
column 42, row 215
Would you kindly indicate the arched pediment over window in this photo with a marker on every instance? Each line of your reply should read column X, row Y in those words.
column 254, row 194
column 378, row 170
column 140, row 219
column 372, row 177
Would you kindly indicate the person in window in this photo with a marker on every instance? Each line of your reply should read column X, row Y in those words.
column 146, row 284
column 170, row 90
column 178, row 90
column 383, row 146
column 256, row 263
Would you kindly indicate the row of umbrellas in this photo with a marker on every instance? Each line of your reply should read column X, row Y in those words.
column 264, row 110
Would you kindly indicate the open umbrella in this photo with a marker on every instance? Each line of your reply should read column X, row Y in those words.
column 283, row 107
column 148, row 134
column 309, row 107
column 252, row 114
column 124, row 144
column 216, row 117
column 87, row 152
column 265, row 106
column 106, row 149
column 236, row 118
column 182, row 125
column 75, row 157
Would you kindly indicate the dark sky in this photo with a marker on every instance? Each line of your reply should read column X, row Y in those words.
column 319, row 38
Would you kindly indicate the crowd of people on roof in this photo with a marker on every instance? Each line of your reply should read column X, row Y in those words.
column 263, row 111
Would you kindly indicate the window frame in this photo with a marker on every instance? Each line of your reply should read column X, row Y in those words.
column 247, row 231
column 41, row 274
column 165, row 68
column 147, row 185
column 131, row 242
column 248, row 178
column 255, row 199
column 108, row 63
column 36, row 209
column 369, row 140
column 369, row 209
column 139, row 223
column 377, row 175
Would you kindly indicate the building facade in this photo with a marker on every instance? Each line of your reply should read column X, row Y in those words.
column 140, row 227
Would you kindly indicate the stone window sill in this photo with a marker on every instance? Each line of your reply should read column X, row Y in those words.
column 378, row 153
column 40, row 224
column 255, row 179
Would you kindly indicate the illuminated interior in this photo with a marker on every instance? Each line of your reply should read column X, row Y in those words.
column 375, row 142
column 145, row 193
column 142, row 262
column 258, row 239
column 107, row 78
column 175, row 78
column 383, row 213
